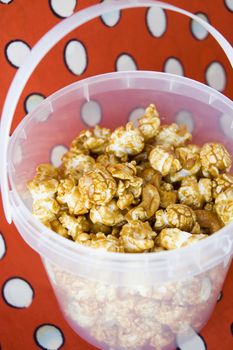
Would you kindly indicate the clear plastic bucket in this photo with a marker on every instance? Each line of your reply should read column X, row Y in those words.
column 122, row 301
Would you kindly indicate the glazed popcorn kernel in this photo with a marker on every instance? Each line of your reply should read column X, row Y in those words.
column 149, row 123
column 136, row 189
column 215, row 159
column 172, row 238
column 163, row 160
column 97, row 185
column 176, row 215
column 137, row 237
column 126, row 141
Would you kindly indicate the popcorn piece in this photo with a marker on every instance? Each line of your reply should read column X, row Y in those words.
column 126, row 141
column 46, row 171
column 74, row 225
column 222, row 183
column 68, row 193
column 125, row 171
column 129, row 192
column 108, row 214
column 100, row 241
column 208, row 220
column 173, row 135
column 91, row 141
column 98, row 185
column 224, row 206
column 137, row 237
column 193, row 193
column 176, row 215
column 56, row 226
column 107, row 159
column 43, row 189
column 215, row 159
column 163, row 160
column 45, row 209
column 148, row 206
column 173, row 238
column 162, row 339
column 193, row 291
column 167, row 194
column 149, row 123
column 189, row 158
column 76, row 164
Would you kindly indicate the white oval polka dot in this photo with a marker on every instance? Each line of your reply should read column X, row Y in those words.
column 18, row 293
column 185, row 117
column 156, row 21
column 32, row 101
column 226, row 124
column 111, row 18
column 63, row 8
column 76, row 57
column 2, row 246
column 190, row 340
column 91, row 113
column 16, row 52
column 229, row 4
column 49, row 337
column 6, row 1
column 197, row 29
column 216, row 76
column 173, row 66
column 135, row 114
column 125, row 62
column 57, row 153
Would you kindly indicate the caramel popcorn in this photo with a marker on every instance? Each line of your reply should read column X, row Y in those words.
column 76, row 164
column 126, row 141
column 214, row 159
column 222, row 183
column 163, row 160
column 173, row 135
column 172, row 238
column 195, row 193
column 98, row 185
column 176, row 216
column 149, row 123
column 137, row 237
column 224, row 206
column 108, row 214
column 114, row 189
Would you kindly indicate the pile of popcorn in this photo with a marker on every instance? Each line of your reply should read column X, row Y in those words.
column 136, row 189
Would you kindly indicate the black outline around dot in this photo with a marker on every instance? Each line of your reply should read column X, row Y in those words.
column 121, row 54
column 4, row 241
column 190, row 26
column 31, row 94
column 56, row 14
column 2, row 3
column 228, row 8
column 81, row 112
column 20, row 278
column 10, row 42
column 231, row 326
column 50, row 153
column 205, row 76
column 177, row 59
column 147, row 26
column 102, row 21
column 48, row 324
column 64, row 57
column 220, row 296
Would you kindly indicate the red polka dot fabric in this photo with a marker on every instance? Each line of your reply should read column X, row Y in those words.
column 135, row 39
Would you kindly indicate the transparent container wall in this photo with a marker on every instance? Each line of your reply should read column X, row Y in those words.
column 59, row 119
column 158, row 316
